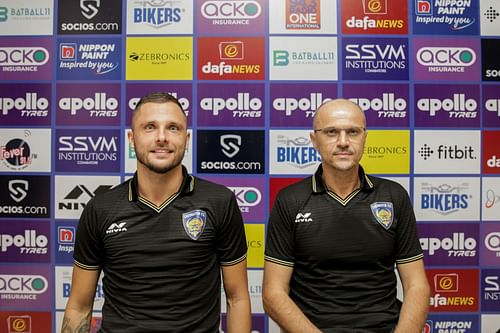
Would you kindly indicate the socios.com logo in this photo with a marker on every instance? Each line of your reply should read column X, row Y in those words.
column 230, row 10
column 446, row 56
column 23, row 56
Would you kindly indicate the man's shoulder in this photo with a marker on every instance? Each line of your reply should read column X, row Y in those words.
column 301, row 188
column 207, row 187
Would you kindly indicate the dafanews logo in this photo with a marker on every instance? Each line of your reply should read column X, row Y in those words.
column 374, row 17
column 85, row 17
column 491, row 152
column 450, row 244
column 375, row 58
column 387, row 151
column 292, row 152
column 295, row 104
column 25, row 104
column 447, row 152
column 447, row 199
column 303, row 15
column 445, row 17
column 238, row 152
column 454, row 290
column 231, row 59
column 239, row 105
column 159, row 58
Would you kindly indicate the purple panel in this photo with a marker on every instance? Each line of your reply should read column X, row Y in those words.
column 294, row 104
column 491, row 244
column 491, row 105
column 25, row 241
column 182, row 91
column 25, row 104
column 446, row 105
column 231, row 105
column 450, row 243
column 385, row 105
column 490, row 290
column 88, row 104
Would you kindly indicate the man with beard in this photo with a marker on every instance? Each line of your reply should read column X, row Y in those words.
column 335, row 238
column 163, row 240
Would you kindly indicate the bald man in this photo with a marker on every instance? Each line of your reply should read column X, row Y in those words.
column 335, row 238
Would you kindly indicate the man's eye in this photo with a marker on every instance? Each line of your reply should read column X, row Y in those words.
column 331, row 131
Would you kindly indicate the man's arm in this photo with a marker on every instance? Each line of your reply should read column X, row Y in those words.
column 416, row 294
column 278, row 305
column 78, row 310
column 235, row 282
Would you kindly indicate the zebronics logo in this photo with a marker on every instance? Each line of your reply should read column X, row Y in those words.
column 375, row 58
column 237, row 59
column 374, row 17
column 454, row 290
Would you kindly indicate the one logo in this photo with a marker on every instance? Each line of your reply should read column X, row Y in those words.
column 89, row 8
column 18, row 189
column 446, row 282
column 383, row 213
column 19, row 324
column 194, row 223
column 117, row 227
column 230, row 144
column 231, row 50
column 303, row 218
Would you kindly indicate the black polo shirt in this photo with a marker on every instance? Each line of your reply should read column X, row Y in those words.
column 343, row 251
column 162, row 263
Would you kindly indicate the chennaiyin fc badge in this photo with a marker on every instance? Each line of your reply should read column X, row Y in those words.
column 194, row 222
column 383, row 212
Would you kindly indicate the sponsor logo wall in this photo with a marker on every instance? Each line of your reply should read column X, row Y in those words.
column 250, row 75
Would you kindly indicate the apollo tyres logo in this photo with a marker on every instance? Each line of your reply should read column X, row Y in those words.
column 222, row 58
column 25, row 241
column 374, row 17
column 239, row 152
column 454, row 290
column 25, row 104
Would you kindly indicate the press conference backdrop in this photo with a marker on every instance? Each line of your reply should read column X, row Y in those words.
column 250, row 74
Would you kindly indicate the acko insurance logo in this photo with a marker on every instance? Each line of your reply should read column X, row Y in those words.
column 446, row 59
column 445, row 17
column 292, row 152
column 440, row 323
column 25, row 104
column 491, row 152
column 303, row 58
column 447, row 105
column 454, row 290
column 450, row 243
column 73, row 192
column 25, row 150
column 25, row 321
column 79, row 150
column 21, row 58
column 374, row 17
column 245, row 16
column 159, row 58
column 445, row 152
column 26, row 286
column 447, row 198
column 489, row 14
column 88, row 104
column 231, row 152
column 490, row 239
column 384, row 105
column 491, row 105
column 182, row 91
column 375, row 59
column 490, row 290
column 86, row 17
column 24, row 17
column 294, row 104
column 25, row 241
column 154, row 17
column 238, row 105
column 89, row 59
column 490, row 64
column 387, row 151
column 25, row 196
column 239, row 58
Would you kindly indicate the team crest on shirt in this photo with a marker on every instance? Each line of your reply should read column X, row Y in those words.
column 383, row 213
column 194, row 223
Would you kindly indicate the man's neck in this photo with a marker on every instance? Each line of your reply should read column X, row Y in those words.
column 157, row 187
column 340, row 182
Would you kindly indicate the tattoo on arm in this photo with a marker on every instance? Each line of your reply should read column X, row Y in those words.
column 82, row 327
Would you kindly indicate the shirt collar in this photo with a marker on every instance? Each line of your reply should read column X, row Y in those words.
column 187, row 185
column 318, row 185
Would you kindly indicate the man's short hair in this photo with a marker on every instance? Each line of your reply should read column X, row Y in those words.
column 158, row 97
